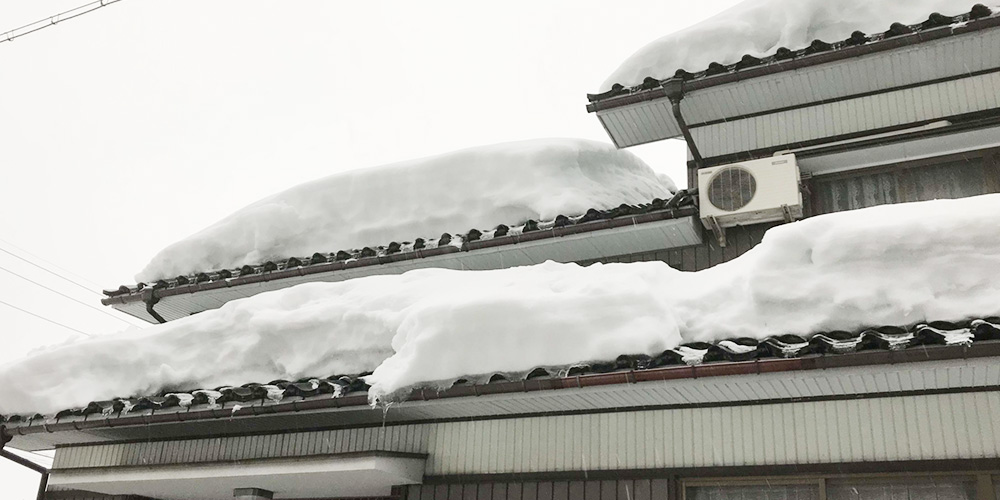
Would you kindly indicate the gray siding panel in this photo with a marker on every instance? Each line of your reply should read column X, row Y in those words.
column 928, row 102
column 867, row 188
column 941, row 426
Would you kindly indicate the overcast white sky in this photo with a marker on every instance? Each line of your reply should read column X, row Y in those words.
column 131, row 127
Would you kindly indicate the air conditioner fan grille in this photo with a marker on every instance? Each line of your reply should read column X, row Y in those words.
column 731, row 188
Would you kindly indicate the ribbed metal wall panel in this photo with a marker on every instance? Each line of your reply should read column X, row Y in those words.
column 937, row 426
column 953, row 179
column 622, row 489
column 872, row 112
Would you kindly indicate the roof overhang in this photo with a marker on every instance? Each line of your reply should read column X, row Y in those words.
column 754, row 102
column 588, row 241
column 351, row 475
column 915, row 370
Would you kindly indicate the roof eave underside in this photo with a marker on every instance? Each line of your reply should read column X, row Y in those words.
column 646, row 115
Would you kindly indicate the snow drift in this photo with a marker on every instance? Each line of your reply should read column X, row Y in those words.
column 889, row 265
column 760, row 27
column 473, row 188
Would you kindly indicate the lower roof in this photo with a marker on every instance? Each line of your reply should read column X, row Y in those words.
column 876, row 363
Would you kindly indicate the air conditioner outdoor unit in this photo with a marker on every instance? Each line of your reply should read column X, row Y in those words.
column 749, row 192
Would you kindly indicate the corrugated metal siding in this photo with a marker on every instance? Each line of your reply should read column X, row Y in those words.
column 953, row 179
column 942, row 426
column 873, row 112
column 639, row 489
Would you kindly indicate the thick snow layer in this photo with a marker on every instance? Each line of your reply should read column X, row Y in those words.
column 760, row 27
column 889, row 265
column 473, row 188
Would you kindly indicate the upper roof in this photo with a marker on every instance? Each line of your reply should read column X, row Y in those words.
column 818, row 51
column 479, row 187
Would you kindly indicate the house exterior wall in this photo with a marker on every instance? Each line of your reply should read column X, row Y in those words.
column 739, row 240
column 953, row 176
column 949, row 426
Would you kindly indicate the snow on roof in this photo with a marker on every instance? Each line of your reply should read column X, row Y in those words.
column 760, row 27
column 454, row 192
column 888, row 265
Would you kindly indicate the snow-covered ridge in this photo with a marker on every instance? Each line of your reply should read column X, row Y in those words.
column 760, row 27
column 888, row 265
column 452, row 193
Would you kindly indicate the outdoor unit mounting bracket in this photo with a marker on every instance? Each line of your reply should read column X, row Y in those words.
column 787, row 213
column 717, row 230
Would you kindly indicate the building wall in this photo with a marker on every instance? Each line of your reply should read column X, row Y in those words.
column 883, row 429
column 952, row 176
column 709, row 253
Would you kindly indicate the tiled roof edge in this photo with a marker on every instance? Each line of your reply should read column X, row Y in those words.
column 680, row 205
column 818, row 52
column 934, row 341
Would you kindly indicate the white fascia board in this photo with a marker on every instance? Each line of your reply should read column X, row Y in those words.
column 332, row 476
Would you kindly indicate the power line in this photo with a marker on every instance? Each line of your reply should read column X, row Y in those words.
column 43, row 268
column 78, row 301
column 39, row 455
column 54, row 322
column 9, row 36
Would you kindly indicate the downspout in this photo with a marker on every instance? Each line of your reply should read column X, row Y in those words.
column 674, row 88
column 43, row 483
column 150, row 298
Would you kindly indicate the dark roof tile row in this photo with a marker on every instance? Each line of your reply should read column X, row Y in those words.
column 530, row 230
column 354, row 388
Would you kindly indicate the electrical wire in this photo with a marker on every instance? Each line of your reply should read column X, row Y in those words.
column 39, row 316
column 43, row 268
column 39, row 455
column 9, row 36
column 57, row 292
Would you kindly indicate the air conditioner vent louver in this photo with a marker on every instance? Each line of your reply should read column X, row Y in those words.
column 750, row 192
column 731, row 188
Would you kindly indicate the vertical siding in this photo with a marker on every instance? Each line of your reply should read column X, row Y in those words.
column 620, row 489
column 943, row 426
column 953, row 179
